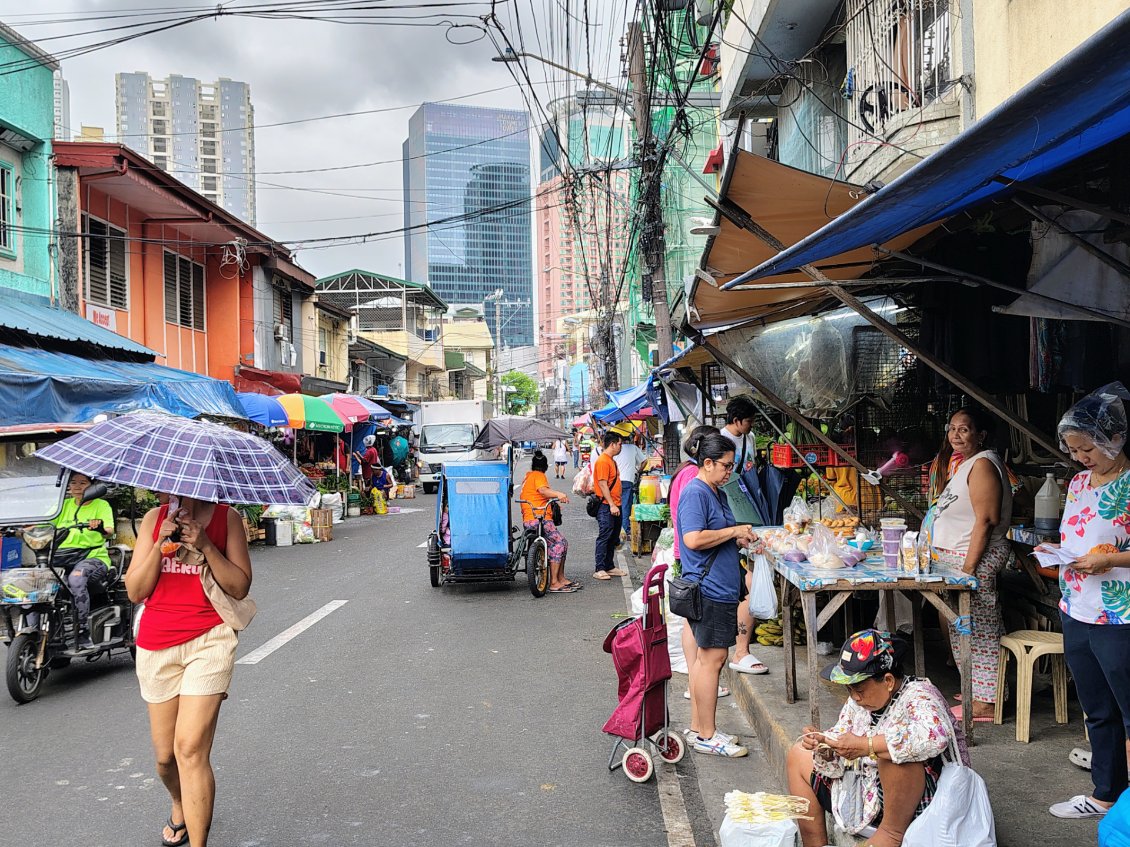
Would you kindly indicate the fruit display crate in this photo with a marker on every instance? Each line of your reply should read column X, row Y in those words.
column 785, row 456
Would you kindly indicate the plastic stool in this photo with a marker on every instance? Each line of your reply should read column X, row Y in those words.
column 1028, row 645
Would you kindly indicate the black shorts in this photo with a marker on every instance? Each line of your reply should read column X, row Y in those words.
column 718, row 626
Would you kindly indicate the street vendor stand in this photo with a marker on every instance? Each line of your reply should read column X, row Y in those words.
column 806, row 581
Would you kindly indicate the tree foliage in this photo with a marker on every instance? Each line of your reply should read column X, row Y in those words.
column 524, row 395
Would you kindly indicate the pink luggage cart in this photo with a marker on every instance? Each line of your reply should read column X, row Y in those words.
column 643, row 666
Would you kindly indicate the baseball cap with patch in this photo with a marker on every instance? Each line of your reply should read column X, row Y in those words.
column 868, row 653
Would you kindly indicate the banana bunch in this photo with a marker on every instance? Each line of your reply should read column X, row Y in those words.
column 771, row 634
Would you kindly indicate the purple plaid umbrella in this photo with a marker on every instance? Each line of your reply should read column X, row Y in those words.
column 188, row 458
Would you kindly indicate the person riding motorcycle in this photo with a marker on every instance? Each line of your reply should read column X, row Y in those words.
column 85, row 550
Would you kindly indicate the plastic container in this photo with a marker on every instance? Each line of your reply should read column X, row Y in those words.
column 11, row 552
column 664, row 487
column 649, row 489
column 1047, row 505
column 284, row 533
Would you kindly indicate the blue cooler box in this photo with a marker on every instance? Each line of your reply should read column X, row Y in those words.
column 11, row 552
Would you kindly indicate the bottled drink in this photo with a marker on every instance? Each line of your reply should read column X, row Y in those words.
column 1047, row 505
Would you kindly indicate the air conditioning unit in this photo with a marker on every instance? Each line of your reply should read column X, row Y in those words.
column 282, row 332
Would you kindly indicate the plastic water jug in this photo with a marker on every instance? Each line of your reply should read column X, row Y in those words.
column 649, row 489
column 1047, row 506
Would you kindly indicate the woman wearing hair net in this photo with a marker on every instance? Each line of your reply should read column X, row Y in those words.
column 1096, row 588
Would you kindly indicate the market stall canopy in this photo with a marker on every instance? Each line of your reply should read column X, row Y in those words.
column 376, row 410
column 1076, row 106
column 312, row 413
column 197, row 459
column 34, row 317
column 691, row 356
column 789, row 204
column 41, row 386
column 625, row 403
column 582, row 420
column 263, row 409
column 512, row 429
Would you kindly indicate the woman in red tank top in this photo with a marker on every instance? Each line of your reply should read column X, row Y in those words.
column 185, row 652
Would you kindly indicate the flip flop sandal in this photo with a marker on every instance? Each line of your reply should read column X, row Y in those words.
column 567, row 589
column 601, row 575
column 749, row 664
column 957, row 713
column 576, row 584
column 723, row 691
column 176, row 827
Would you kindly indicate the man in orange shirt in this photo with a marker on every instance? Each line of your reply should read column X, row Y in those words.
column 606, row 485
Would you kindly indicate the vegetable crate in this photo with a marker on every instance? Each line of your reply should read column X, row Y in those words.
column 785, row 456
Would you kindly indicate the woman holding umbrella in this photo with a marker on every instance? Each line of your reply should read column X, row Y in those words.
column 185, row 652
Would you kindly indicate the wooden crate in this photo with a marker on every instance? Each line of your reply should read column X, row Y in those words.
column 643, row 536
column 321, row 521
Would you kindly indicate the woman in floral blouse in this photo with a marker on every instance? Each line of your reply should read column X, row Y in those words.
column 1095, row 608
column 877, row 769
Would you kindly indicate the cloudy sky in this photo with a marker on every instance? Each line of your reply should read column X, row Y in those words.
column 307, row 69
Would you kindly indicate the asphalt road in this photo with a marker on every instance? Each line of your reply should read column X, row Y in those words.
column 406, row 716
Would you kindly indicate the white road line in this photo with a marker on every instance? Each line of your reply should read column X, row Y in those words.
column 260, row 653
column 671, row 803
column 421, row 546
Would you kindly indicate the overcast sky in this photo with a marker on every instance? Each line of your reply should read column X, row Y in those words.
column 296, row 69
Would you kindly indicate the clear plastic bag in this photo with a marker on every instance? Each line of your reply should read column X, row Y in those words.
column 797, row 516
column 768, row 834
column 823, row 551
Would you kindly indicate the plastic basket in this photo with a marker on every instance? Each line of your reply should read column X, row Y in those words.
column 785, row 456
column 28, row 585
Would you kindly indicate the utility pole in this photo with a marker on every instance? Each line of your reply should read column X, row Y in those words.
column 652, row 242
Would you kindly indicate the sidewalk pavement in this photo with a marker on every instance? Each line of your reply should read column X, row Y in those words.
column 1023, row 779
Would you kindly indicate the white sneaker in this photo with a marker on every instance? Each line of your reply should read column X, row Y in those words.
column 719, row 745
column 692, row 735
column 1080, row 758
column 1079, row 806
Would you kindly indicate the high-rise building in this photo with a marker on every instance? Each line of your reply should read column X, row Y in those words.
column 62, row 108
column 473, row 165
column 201, row 133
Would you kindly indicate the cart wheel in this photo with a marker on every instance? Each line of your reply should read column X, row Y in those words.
column 435, row 560
column 671, row 747
column 638, row 764
column 537, row 569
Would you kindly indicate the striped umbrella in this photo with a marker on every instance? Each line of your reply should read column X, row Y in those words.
column 353, row 409
column 312, row 413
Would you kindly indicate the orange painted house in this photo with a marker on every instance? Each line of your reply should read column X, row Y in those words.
column 164, row 266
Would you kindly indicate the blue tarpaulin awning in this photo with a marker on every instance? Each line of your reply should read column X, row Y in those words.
column 624, row 403
column 38, row 386
column 36, row 316
column 1075, row 107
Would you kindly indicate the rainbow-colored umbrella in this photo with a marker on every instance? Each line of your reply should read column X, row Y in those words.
column 354, row 410
column 312, row 413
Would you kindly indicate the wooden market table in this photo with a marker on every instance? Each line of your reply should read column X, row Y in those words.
column 806, row 581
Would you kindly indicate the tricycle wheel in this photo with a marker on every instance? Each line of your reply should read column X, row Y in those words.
column 670, row 746
column 24, row 681
column 537, row 568
column 434, row 576
column 638, row 764
column 430, row 487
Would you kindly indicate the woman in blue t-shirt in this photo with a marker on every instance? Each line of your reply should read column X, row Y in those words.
column 709, row 545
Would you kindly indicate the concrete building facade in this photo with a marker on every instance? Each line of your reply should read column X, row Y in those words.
column 201, row 133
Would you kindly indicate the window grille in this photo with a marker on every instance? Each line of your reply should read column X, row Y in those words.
column 7, row 208
column 899, row 59
column 106, row 282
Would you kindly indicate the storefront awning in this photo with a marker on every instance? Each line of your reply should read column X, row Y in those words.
column 1075, row 107
column 35, row 317
column 39, row 386
column 624, row 403
column 789, row 204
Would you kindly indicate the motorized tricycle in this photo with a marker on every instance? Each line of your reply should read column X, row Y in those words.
column 38, row 618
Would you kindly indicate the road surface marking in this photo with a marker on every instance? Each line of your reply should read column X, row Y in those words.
column 671, row 803
column 260, row 653
column 420, row 546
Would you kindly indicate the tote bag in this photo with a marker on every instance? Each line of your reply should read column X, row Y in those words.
column 960, row 814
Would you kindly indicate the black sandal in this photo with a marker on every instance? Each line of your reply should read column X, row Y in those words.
column 176, row 827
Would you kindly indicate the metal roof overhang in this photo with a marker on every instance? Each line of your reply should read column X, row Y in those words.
column 766, row 34
column 1075, row 107
column 789, row 204
column 37, row 317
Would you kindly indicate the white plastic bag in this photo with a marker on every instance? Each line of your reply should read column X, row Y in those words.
column 770, row 834
column 763, row 592
column 333, row 502
column 959, row 815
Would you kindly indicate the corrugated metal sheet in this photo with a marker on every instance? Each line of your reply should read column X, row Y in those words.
column 36, row 316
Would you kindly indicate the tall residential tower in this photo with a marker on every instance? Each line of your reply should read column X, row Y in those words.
column 201, row 133
column 473, row 165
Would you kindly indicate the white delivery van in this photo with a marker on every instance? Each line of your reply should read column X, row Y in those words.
column 447, row 429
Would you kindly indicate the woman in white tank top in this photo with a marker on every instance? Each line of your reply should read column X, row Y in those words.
column 971, row 519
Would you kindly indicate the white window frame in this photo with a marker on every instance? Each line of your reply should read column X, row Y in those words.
column 8, row 213
column 116, row 240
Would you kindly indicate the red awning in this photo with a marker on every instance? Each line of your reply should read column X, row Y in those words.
column 258, row 381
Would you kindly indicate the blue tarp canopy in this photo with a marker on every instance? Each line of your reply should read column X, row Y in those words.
column 36, row 316
column 1075, row 107
column 40, row 386
column 624, row 403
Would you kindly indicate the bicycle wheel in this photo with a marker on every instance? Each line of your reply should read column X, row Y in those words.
column 537, row 567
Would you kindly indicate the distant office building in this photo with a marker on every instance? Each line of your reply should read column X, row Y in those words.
column 472, row 164
column 201, row 133
column 62, row 108
column 90, row 133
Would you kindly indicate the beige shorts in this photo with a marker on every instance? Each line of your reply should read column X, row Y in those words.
column 201, row 666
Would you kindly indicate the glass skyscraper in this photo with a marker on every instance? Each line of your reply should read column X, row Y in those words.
column 471, row 164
